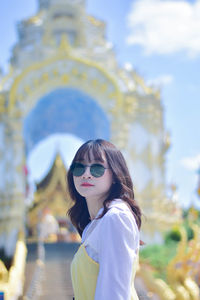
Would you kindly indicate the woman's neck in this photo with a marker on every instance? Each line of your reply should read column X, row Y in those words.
column 93, row 207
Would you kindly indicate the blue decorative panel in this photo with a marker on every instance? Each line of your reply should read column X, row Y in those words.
column 65, row 110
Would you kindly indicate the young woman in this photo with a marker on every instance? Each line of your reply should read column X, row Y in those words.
column 108, row 219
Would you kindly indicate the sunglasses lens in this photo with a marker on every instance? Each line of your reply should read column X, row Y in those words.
column 78, row 169
column 97, row 170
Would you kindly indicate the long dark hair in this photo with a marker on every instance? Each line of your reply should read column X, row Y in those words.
column 122, row 186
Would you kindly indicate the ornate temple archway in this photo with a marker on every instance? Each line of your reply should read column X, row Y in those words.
column 49, row 57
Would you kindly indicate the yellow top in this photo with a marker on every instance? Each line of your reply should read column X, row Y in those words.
column 84, row 273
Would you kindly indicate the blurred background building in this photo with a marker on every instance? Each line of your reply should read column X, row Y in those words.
column 64, row 79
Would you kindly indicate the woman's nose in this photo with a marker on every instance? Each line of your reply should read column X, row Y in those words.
column 87, row 173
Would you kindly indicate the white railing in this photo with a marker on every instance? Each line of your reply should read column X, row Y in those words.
column 35, row 287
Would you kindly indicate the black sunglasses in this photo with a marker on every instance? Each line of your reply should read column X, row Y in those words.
column 96, row 170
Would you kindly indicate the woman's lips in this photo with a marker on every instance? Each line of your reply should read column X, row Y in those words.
column 86, row 184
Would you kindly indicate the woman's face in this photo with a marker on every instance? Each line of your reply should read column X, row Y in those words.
column 94, row 188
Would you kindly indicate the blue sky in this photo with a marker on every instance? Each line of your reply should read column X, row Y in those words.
column 161, row 40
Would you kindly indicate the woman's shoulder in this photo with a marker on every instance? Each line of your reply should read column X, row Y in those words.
column 119, row 211
column 118, row 206
column 119, row 222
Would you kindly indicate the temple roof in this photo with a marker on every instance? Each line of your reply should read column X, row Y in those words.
column 55, row 175
column 51, row 193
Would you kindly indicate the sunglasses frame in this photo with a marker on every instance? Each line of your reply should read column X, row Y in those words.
column 73, row 166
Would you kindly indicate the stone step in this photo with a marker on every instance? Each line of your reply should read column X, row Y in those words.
column 57, row 281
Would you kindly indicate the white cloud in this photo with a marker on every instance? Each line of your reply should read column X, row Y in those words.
column 160, row 81
column 191, row 163
column 165, row 27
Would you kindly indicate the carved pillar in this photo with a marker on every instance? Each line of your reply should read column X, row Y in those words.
column 143, row 135
column 14, row 182
column 2, row 180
